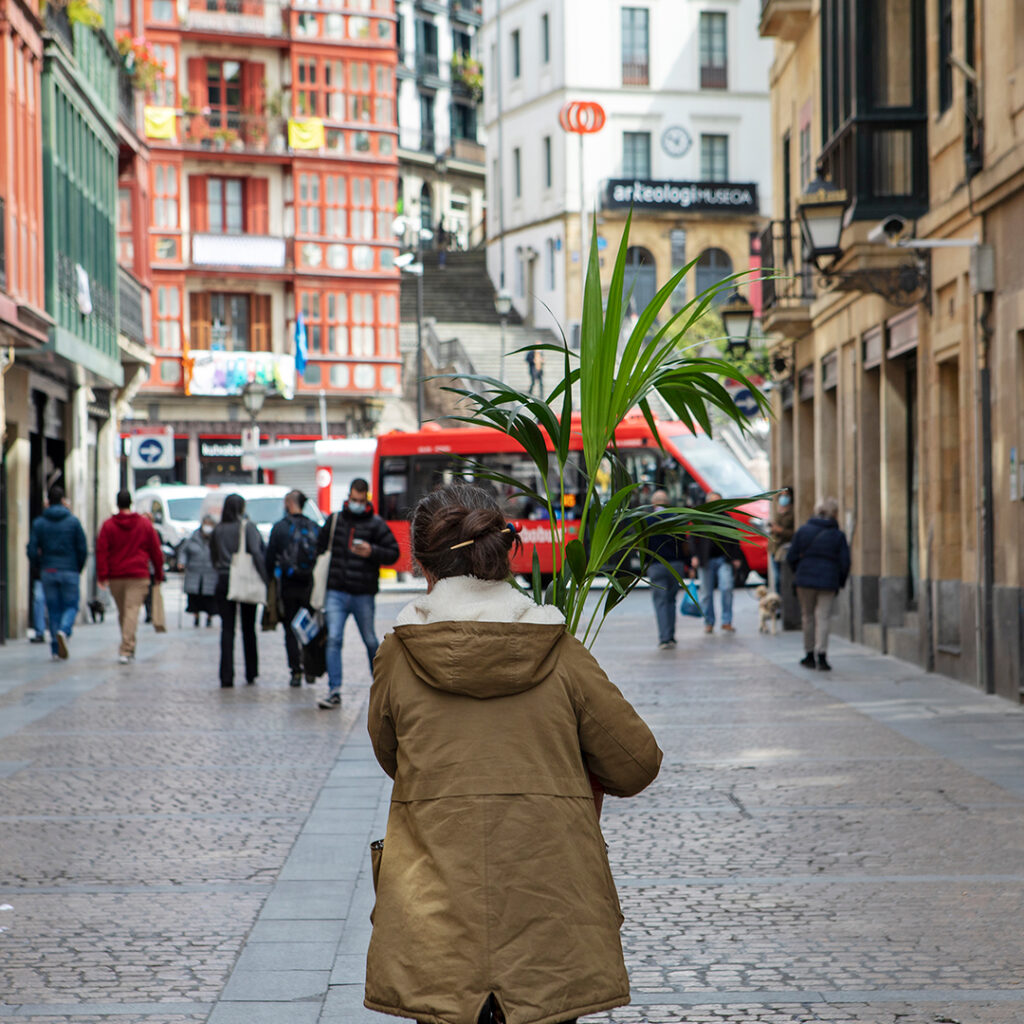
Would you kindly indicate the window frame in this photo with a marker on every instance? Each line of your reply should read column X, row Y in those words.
column 635, row 24
column 630, row 165
column 708, row 158
column 515, row 42
column 713, row 43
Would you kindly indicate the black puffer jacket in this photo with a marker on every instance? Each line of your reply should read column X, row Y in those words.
column 351, row 572
column 820, row 555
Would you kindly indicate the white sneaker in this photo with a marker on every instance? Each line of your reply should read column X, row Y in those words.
column 126, row 659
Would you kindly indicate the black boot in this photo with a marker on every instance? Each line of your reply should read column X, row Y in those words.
column 808, row 660
column 823, row 664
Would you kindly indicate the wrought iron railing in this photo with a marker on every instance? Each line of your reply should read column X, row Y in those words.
column 714, row 76
column 234, row 130
column 129, row 307
column 788, row 279
column 428, row 64
column 636, row 73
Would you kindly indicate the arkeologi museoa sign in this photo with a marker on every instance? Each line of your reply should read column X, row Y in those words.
column 694, row 196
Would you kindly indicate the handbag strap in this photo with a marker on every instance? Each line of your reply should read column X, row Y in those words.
column 242, row 547
column 330, row 539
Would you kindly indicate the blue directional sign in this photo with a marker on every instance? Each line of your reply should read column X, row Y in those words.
column 746, row 403
column 151, row 450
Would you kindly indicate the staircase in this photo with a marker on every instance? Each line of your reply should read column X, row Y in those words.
column 459, row 292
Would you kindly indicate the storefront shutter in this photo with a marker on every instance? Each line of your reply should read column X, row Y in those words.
column 259, row 318
column 199, row 320
column 198, row 211
column 257, row 217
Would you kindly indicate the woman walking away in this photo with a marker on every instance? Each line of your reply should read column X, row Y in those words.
column 495, row 901
column 223, row 544
column 820, row 558
column 200, row 575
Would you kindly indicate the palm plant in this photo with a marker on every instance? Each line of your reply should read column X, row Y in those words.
column 655, row 360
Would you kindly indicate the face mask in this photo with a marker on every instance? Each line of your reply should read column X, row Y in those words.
column 207, row 530
column 357, row 507
column 784, row 501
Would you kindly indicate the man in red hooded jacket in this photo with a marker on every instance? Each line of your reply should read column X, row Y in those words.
column 125, row 550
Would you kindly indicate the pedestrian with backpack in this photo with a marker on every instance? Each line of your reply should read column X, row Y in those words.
column 291, row 555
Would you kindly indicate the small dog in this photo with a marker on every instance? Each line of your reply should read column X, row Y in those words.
column 96, row 610
column 768, row 603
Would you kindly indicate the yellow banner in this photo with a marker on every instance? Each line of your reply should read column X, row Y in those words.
column 307, row 134
column 161, row 122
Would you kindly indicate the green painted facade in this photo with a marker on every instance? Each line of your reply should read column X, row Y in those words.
column 80, row 149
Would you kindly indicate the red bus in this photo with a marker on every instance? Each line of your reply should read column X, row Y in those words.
column 410, row 464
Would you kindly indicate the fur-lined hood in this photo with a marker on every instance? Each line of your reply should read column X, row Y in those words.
column 479, row 638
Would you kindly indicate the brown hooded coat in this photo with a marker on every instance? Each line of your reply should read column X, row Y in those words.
column 494, row 876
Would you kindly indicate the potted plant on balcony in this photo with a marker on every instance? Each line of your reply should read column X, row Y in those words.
column 224, row 137
column 468, row 72
column 255, row 129
column 138, row 61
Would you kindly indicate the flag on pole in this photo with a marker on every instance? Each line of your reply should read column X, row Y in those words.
column 301, row 351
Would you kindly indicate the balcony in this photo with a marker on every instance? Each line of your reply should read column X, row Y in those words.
column 126, row 101
column 236, row 17
column 428, row 67
column 129, row 307
column 253, row 252
column 714, row 77
column 469, row 151
column 636, row 73
column 469, row 12
column 785, row 19
column 786, row 299
column 234, row 131
column 58, row 24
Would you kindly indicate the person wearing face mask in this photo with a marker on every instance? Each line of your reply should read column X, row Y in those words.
column 200, row 575
column 360, row 543
column 781, row 527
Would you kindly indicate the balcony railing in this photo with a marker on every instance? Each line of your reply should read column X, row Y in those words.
column 714, row 77
column 59, row 25
column 3, row 243
column 262, row 252
column 126, row 100
column 781, row 254
column 636, row 73
column 468, row 150
column 428, row 65
column 468, row 11
column 129, row 307
column 237, row 17
column 233, row 130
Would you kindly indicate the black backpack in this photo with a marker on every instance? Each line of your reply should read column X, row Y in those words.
column 298, row 556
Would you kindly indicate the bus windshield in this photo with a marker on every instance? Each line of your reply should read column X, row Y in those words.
column 721, row 470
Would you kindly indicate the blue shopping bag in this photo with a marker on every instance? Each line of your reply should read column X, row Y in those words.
column 689, row 604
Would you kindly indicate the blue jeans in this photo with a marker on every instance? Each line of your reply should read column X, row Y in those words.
column 717, row 573
column 340, row 605
column 61, row 589
column 664, row 588
column 39, row 608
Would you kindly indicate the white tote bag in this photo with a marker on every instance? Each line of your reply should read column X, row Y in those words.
column 245, row 584
column 322, row 569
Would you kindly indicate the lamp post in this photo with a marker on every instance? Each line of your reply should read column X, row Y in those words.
column 254, row 394
column 821, row 210
column 502, row 306
column 738, row 317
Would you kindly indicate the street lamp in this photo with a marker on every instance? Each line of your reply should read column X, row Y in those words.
column 254, row 394
column 821, row 210
column 404, row 262
column 737, row 316
column 502, row 306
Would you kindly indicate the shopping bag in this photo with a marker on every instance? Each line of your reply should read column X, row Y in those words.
column 245, row 584
column 689, row 604
column 322, row 569
column 314, row 655
column 158, row 614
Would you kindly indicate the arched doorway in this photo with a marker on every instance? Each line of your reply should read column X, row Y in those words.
column 641, row 276
column 713, row 266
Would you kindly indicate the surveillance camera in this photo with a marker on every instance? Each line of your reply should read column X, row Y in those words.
column 891, row 230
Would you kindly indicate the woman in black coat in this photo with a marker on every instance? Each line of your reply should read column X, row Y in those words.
column 223, row 544
column 820, row 557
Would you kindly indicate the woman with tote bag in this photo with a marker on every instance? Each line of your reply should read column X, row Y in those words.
column 235, row 577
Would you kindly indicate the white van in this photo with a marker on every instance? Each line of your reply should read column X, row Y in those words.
column 264, row 504
column 174, row 509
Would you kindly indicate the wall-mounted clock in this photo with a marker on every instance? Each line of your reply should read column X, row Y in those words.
column 676, row 141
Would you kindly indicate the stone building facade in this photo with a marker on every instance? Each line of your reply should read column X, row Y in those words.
column 900, row 371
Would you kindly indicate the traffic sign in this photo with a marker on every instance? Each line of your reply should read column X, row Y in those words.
column 582, row 117
column 153, row 448
column 746, row 403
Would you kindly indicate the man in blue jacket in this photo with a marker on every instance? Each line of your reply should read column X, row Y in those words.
column 57, row 551
column 820, row 557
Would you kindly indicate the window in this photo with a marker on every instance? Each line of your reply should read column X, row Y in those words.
column 162, row 10
column 427, row 122
column 309, row 205
column 168, row 318
column 714, row 157
column 360, row 102
column 361, row 208
column 224, row 94
column 552, row 251
column 320, row 89
column 225, row 210
column 125, row 240
column 714, row 51
column 362, row 324
column 426, row 209
column 337, row 323
column 547, row 161
column 641, row 279
column 805, row 156
column 520, row 271
column 517, row 173
column 165, row 89
column 545, row 39
column 713, row 266
column 229, row 322
column 165, row 196
column 387, row 314
column 945, row 52
column 312, row 307
column 636, row 154
column 462, row 43
column 677, row 245
column 464, row 121
column 516, row 66
column 635, row 57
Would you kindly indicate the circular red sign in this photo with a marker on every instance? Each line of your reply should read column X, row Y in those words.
column 582, row 117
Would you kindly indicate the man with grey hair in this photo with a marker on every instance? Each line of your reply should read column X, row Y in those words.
column 820, row 557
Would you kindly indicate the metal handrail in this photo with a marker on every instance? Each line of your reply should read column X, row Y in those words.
column 782, row 252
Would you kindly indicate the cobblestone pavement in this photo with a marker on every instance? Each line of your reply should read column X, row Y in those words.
column 844, row 847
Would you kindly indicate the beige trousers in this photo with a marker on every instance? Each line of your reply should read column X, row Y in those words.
column 816, row 612
column 129, row 595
